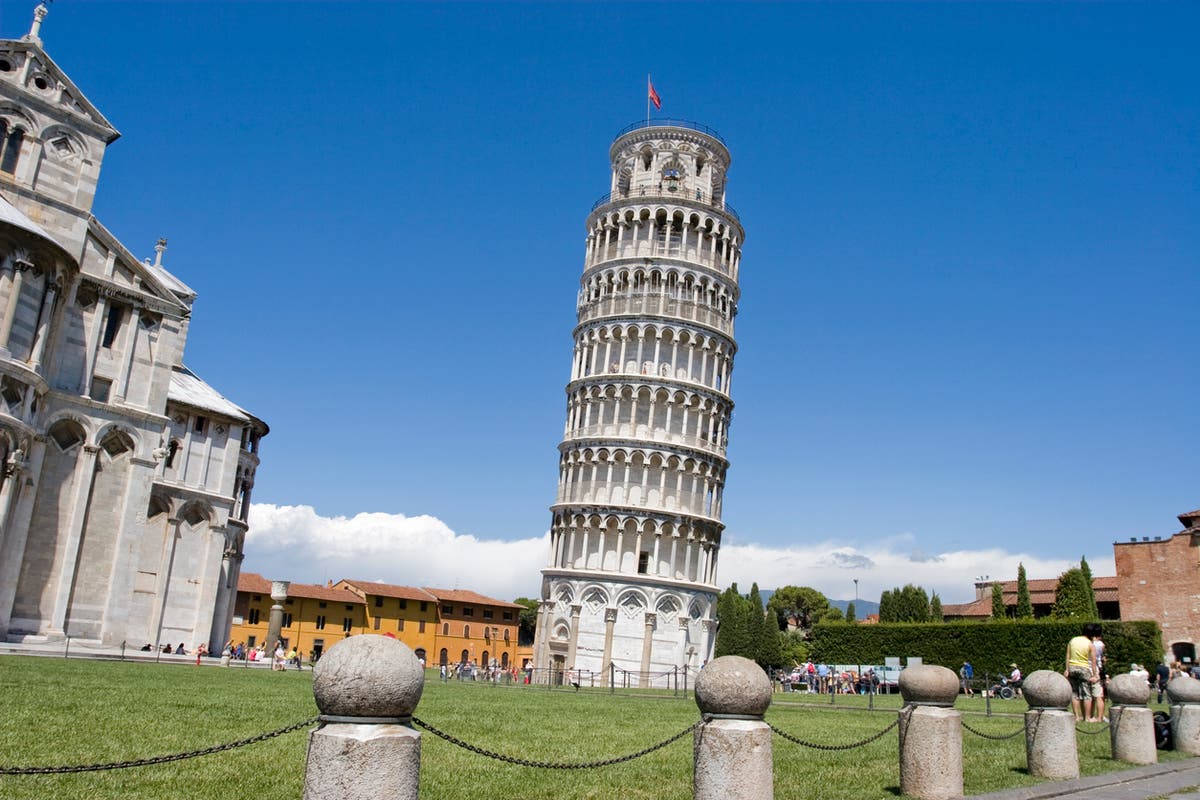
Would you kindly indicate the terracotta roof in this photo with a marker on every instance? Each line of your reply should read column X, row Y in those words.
column 1041, row 591
column 390, row 590
column 257, row 584
column 465, row 596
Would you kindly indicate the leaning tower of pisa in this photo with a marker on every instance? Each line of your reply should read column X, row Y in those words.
column 631, row 577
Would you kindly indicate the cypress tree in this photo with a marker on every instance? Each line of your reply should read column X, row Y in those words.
column 731, row 633
column 762, row 636
column 1094, row 610
column 998, row 611
column 1071, row 596
column 1024, row 604
column 935, row 609
column 851, row 613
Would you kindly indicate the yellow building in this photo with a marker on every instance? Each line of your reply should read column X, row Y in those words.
column 314, row 617
column 442, row 626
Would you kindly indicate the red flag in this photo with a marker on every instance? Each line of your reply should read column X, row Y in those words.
column 654, row 98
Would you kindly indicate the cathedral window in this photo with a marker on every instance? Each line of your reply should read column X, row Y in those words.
column 112, row 325
column 200, row 424
column 66, row 435
column 643, row 562
column 10, row 147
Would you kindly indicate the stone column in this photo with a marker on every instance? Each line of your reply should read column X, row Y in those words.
column 14, row 295
column 1185, row 714
column 733, row 747
column 647, row 647
column 931, row 761
column 43, row 328
column 367, row 688
column 573, row 647
column 279, row 593
column 610, row 620
column 1050, row 747
column 1132, row 726
column 85, row 478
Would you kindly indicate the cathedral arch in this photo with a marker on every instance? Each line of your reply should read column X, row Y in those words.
column 196, row 513
column 67, row 433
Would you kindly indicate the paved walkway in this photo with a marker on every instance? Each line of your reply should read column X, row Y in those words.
column 1173, row 780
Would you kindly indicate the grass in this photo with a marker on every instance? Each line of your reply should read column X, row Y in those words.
column 74, row 711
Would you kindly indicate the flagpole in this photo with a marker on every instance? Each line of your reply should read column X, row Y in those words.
column 648, row 85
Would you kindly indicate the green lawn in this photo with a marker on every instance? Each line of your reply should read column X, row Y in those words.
column 60, row 711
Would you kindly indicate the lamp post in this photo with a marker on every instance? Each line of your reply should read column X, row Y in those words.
column 856, row 592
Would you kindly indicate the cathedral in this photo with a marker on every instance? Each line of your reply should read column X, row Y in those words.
column 629, row 590
column 126, row 478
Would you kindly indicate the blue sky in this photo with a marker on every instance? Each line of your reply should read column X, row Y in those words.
column 967, row 332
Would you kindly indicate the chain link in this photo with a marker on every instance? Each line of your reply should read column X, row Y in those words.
column 832, row 747
column 524, row 762
column 1101, row 729
column 145, row 762
column 994, row 737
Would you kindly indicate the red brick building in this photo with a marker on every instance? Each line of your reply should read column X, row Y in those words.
column 1159, row 579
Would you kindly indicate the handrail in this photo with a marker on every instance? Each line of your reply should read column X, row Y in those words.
column 652, row 192
column 671, row 123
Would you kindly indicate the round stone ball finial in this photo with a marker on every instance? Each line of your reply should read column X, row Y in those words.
column 1184, row 690
column 1128, row 690
column 733, row 685
column 368, row 676
column 928, row 685
column 1046, row 688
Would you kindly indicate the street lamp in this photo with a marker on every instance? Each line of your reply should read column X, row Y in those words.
column 856, row 590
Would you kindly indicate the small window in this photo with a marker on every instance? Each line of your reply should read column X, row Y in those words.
column 346, row 624
column 321, row 605
column 101, row 389
column 488, row 613
column 400, row 625
column 200, row 424
column 447, row 609
column 506, row 634
column 254, row 616
column 320, row 622
column 288, row 602
column 404, row 604
column 251, row 641
column 379, row 602
column 257, row 598
column 349, row 607
column 172, row 451
column 445, row 629
column 10, row 147
column 287, row 619
column 466, row 631
column 643, row 562
column 508, row 615
column 112, row 325
column 468, row 611
column 378, row 622
column 424, row 606
column 420, row 626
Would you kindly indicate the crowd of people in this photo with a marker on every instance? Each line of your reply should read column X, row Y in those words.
column 821, row 678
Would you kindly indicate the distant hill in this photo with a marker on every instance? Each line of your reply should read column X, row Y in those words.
column 861, row 607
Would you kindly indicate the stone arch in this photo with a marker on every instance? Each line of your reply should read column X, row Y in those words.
column 633, row 603
column 67, row 432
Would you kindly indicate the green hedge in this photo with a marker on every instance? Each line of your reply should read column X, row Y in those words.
column 989, row 646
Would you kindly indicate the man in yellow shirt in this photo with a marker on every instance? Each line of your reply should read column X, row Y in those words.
column 1082, row 670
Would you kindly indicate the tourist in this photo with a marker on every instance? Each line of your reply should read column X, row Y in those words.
column 965, row 674
column 1014, row 679
column 179, row 651
column 1139, row 671
column 1098, row 688
column 279, row 660
column 1082, row 670
column 1162, row 674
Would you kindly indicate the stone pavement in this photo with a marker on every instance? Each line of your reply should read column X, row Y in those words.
column 1173, row 780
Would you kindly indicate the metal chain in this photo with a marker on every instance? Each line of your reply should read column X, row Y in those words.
column 1101, row 729
column 994, row 737
column 144, row 762
column 818, row 746
column 523, row 762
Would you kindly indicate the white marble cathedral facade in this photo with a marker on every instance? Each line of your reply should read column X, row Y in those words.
column 631, row 579
column 126, row 479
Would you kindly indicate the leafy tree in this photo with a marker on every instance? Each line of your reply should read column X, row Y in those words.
column 1024, row 604
column 908, row 604
column 998, row 611
column 833, row 615
column 1072, row 596
column 1091, row 590
column 851, row 613
column 803, row 605
column 526, row 620
column 761, row 633
column 733, row 615
column 935, row 608
column 794, row 650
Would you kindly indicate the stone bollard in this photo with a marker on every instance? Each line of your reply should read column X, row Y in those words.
column 1185, row 714
column 931, row 759
column 1132, row 723
column 1050, row 747
column 733, row 749
column 367, row 688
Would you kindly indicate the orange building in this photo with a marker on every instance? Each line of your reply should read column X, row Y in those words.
column 314, row 617
column 442, row 626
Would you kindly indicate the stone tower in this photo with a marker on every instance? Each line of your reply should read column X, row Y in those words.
column 631, row 578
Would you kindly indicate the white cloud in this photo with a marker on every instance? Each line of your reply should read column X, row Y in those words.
column 295, row 543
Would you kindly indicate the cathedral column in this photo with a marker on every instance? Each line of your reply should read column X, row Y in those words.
column 541, row 658
column 43, row 328
column 14, row 296
column 15, row 532
column 85, row 480
column 647, row 646
column 610, row 620
column 573, row 645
